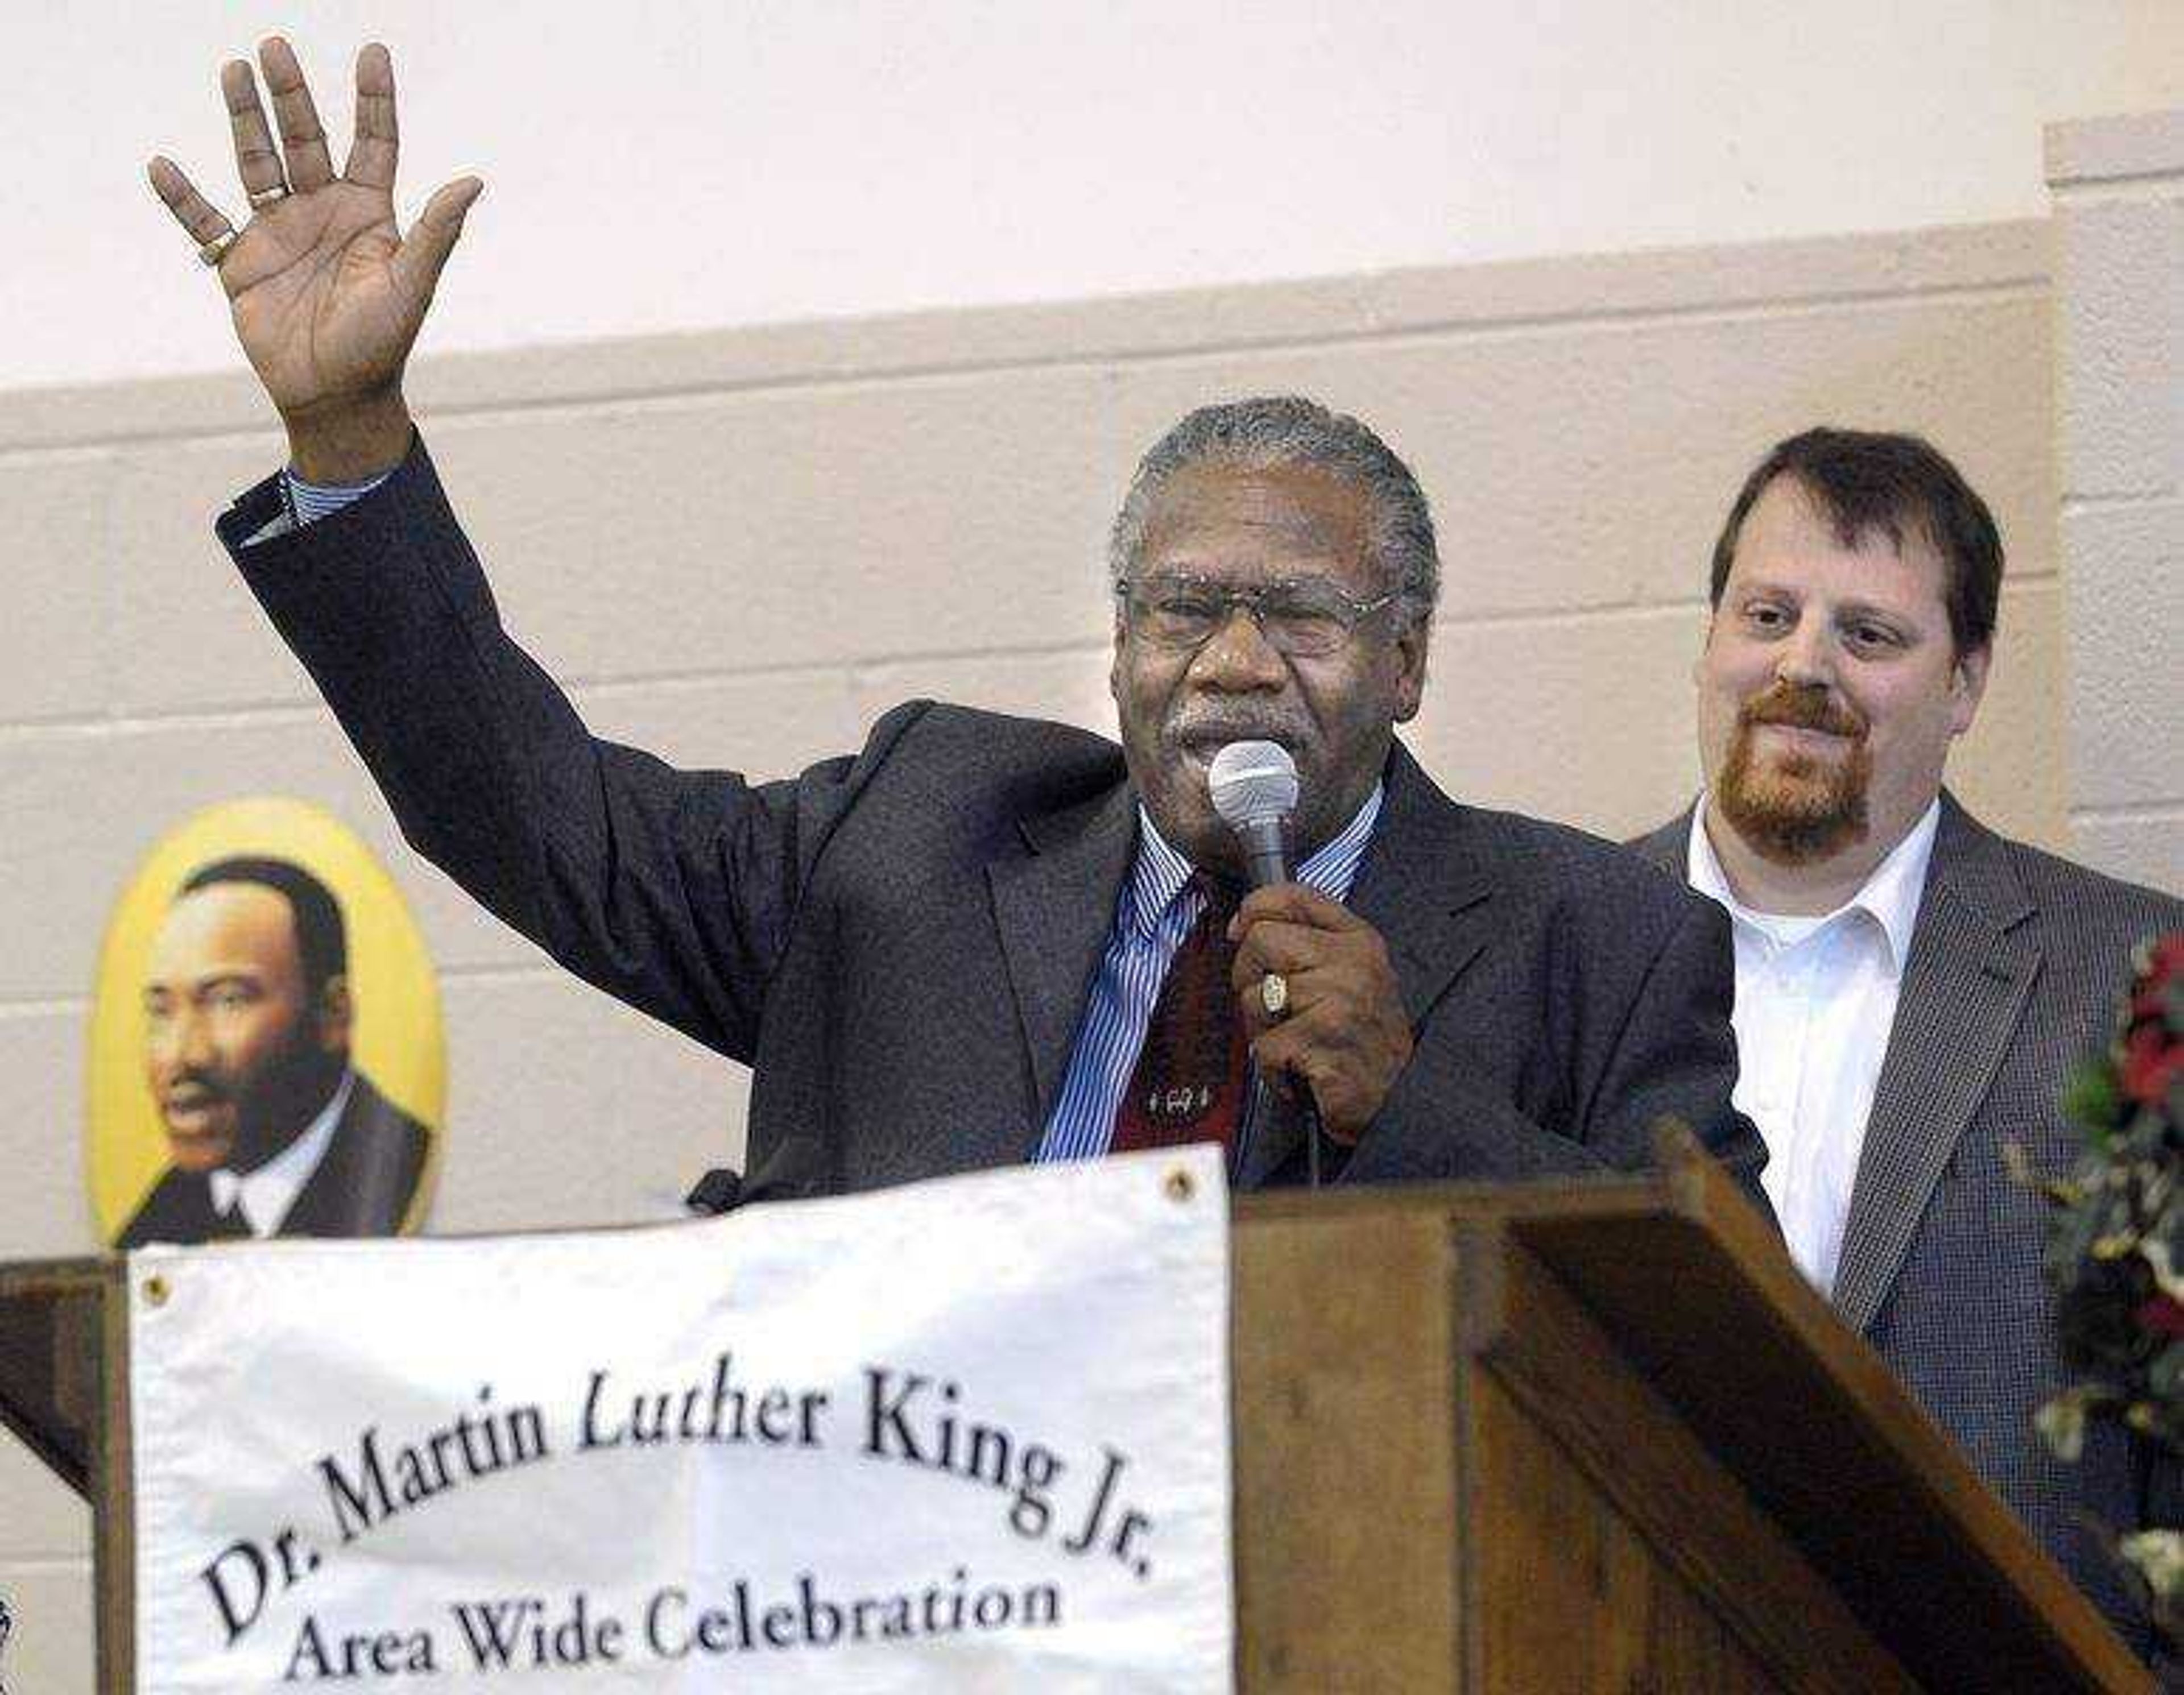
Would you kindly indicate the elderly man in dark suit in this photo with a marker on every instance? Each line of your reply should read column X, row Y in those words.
column 983, row 940
column 1912, row 988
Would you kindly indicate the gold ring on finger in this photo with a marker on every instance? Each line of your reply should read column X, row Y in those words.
column 260, row 198
column 1274, row 994
column 213, row 252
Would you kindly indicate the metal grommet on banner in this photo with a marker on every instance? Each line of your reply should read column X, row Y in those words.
column 1179, row 1185
column 156, row 1290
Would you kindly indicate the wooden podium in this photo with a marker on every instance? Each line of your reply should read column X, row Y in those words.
column 1553, row 1437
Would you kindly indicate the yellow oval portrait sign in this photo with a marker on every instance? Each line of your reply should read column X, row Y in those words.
column 266, row 1056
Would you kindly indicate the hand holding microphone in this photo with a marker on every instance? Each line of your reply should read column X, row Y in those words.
column 1336, row 1023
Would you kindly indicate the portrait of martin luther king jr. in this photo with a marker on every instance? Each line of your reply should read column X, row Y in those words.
column 247, row 1013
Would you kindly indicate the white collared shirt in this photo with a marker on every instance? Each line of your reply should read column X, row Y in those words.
column 1815, row 999
column 266, row 1194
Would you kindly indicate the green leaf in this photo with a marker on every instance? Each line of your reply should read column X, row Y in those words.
column 2092, row 1098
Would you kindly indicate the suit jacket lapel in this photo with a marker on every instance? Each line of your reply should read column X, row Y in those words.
column 1964, row 989
column 1055, row 909
column 328, row 1192
column 1422, row 885
column 1424, row 888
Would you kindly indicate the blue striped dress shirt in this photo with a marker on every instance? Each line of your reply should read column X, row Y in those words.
column 1152, row 915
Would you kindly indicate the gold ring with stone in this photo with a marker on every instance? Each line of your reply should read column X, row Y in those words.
column 262, row 197
column 213, row 252
column 1274, row 994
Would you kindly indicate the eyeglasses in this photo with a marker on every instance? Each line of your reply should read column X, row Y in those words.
column 1304, row 620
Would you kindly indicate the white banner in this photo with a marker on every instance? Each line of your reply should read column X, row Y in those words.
column 969, row 1435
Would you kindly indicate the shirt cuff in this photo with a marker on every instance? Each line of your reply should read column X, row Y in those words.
column 310, row 501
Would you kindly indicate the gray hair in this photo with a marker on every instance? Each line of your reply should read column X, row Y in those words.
column 1290, row 430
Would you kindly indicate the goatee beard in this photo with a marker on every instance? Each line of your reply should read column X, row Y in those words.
column 1798, row 809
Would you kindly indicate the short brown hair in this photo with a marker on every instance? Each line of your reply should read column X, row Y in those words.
column 1902, row 485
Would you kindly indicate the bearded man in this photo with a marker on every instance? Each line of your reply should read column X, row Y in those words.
column 1912, row 988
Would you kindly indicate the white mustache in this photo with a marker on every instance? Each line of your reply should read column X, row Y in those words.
column 1202, row 728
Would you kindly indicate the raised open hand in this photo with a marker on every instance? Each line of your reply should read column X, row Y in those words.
column 326, row 294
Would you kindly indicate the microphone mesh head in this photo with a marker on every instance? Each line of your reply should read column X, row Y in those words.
column 1252, row 782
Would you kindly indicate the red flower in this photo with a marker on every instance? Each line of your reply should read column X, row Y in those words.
column 2151, row 1061
column 2162, row 1315
column 2165, row 960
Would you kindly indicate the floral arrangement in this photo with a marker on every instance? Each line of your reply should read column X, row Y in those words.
column 2114, row 1255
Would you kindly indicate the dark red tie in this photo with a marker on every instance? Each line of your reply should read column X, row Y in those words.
column 1189, row 1082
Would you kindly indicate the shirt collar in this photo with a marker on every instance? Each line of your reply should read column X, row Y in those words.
column 1161, row 871
column 267, row 1193
column 1890, row 896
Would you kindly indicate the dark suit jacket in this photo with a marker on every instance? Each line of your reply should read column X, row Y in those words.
column 363, row 1187
column 900, row 943
column 2018, row 965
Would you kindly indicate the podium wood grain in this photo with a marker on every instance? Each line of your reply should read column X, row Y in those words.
column 1602, row 1437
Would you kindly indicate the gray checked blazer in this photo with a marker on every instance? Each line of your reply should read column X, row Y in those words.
column 900, row 943
column 2019, row 965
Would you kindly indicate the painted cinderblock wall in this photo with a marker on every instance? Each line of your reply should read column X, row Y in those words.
column 2118, row 193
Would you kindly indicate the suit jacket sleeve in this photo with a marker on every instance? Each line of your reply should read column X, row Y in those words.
column 1642, row 1035
column 1675, row 1058
column 674, row 890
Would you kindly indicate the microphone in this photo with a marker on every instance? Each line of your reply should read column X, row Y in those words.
column 1254, row 788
